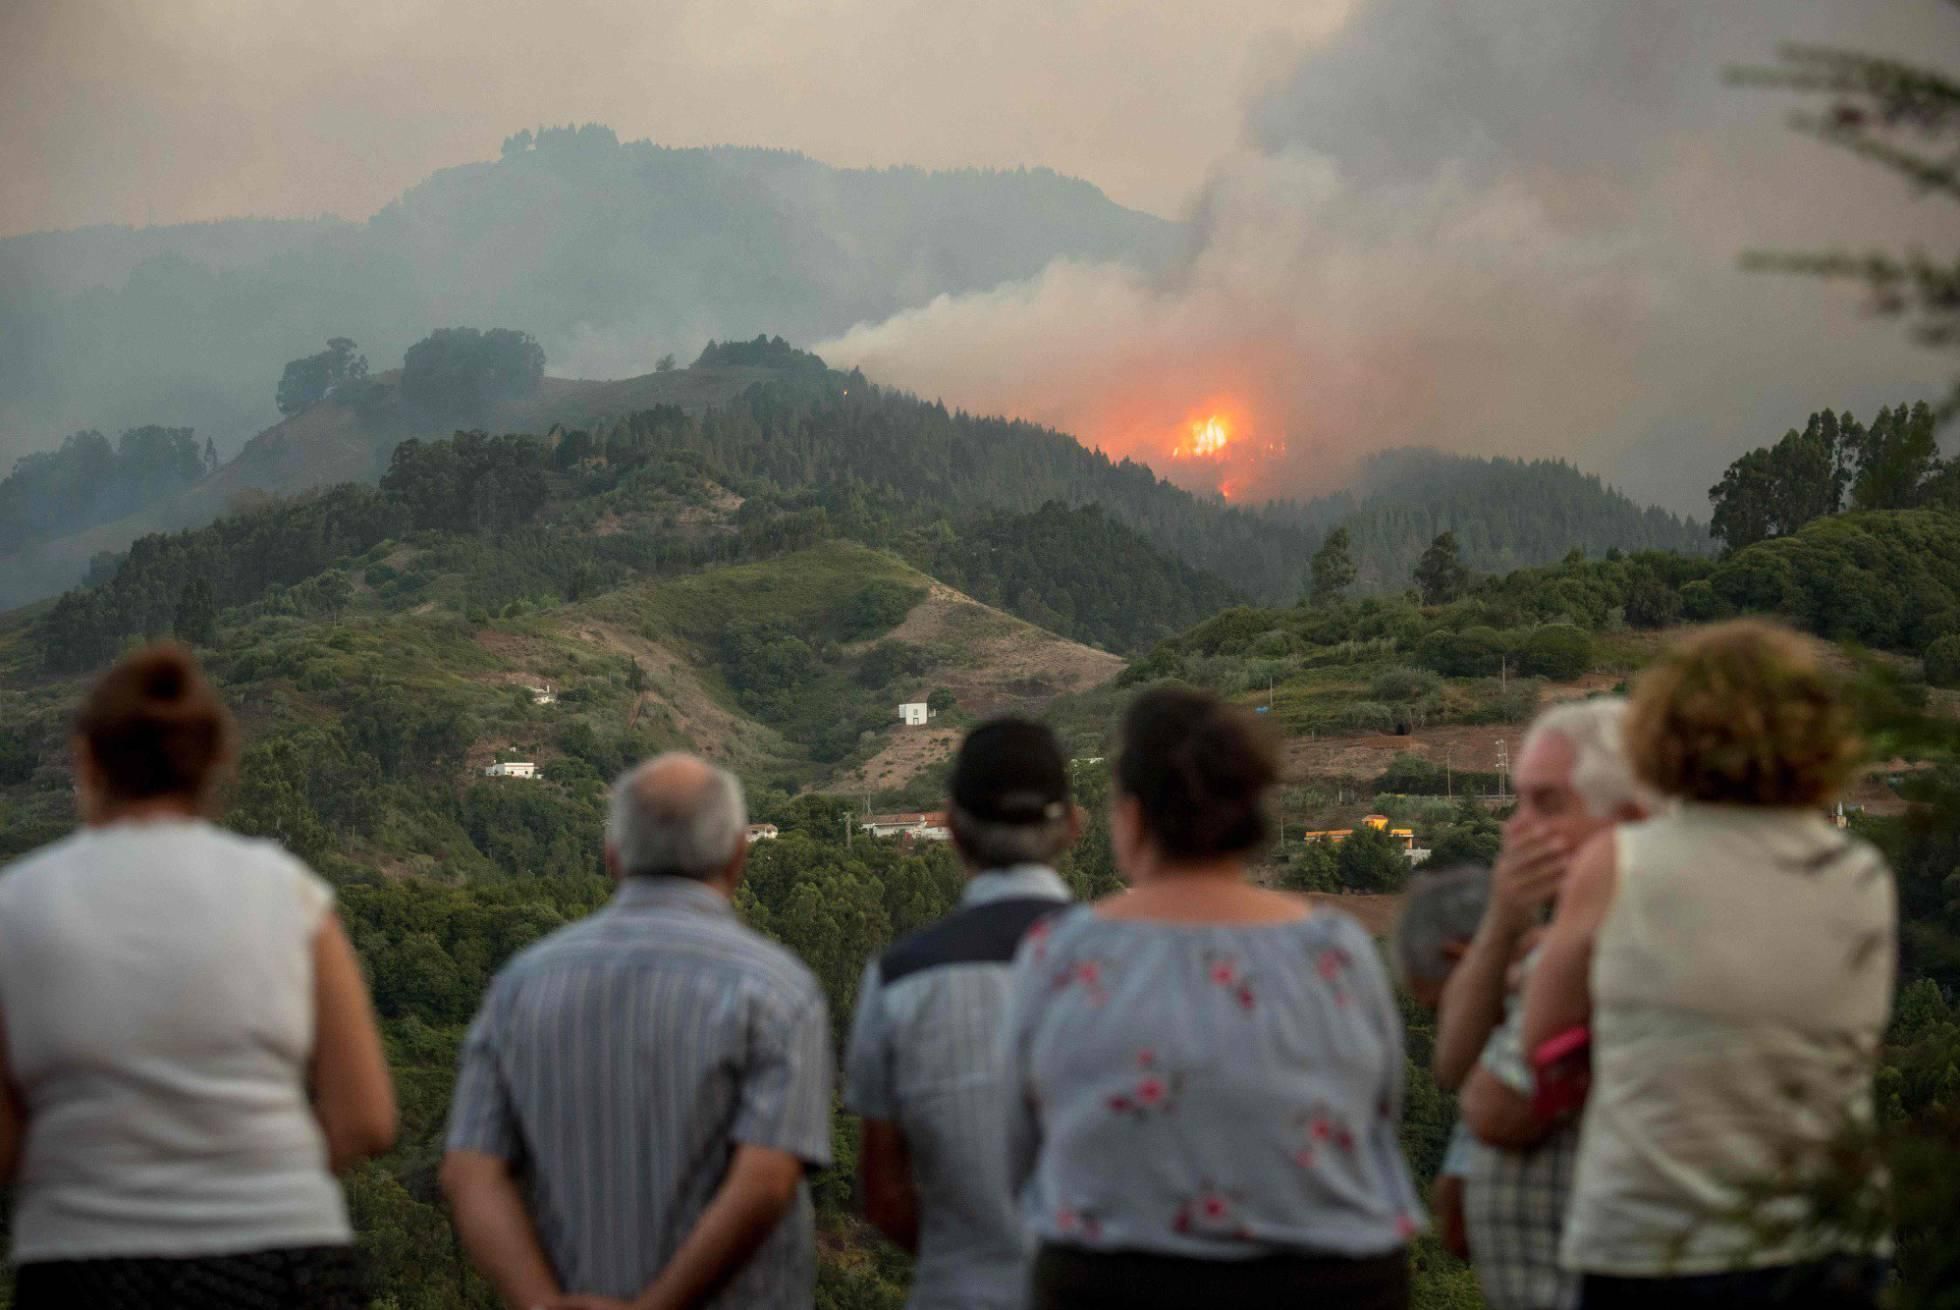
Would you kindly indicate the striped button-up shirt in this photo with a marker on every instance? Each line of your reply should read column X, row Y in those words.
column 619, row 1063
column 925, row 1054
column 1514, row 1202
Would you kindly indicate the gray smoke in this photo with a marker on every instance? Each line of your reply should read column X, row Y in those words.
column 1509, row 227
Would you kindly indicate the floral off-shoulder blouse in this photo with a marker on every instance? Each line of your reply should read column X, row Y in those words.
column 1220, row 1091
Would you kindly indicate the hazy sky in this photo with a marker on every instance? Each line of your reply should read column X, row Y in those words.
column 1507, row 226
column 141, row 111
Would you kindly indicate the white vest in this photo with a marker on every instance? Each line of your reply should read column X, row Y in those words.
column 1741, row 985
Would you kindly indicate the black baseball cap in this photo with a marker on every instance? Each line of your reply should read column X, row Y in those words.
column 1011, row 770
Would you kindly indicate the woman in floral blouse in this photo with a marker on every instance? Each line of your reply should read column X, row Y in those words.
column 1208, row 1074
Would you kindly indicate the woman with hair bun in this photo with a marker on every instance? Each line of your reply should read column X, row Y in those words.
column 1734, row 959
column 187, row 1049
column 1206, row 1076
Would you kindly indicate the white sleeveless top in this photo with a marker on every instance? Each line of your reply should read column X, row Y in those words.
column 157, row 986
column 1741, row 984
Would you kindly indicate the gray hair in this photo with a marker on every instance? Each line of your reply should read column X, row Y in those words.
column 989, row 844
column 1441, row 910
column 676, row 816
column 1601, row 773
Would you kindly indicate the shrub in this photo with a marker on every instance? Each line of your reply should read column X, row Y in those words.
column 1943, row 662
column 1404, row 686
column 1701, row 604
column 1557, row 650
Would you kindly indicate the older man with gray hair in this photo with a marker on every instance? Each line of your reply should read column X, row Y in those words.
column 642, row 1091
column 1573, row 782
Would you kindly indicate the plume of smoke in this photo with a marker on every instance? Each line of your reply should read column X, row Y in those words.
column 1504, row 228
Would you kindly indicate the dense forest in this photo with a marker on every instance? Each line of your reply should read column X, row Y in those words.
column 986, row 504
column 89, row 480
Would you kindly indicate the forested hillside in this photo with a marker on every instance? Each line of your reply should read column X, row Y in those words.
column 1506, row 514
column 611, row 254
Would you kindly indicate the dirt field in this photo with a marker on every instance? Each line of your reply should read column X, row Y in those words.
column 1473, row 749
column 1001, row 663
column 908, row 753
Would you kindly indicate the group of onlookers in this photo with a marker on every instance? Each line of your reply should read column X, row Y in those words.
column 1658, row 1009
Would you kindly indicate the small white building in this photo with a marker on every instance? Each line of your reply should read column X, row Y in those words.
column 913, row 714
column 512, row 769
column 762, row 832
column 917, row 827
column 543, row 695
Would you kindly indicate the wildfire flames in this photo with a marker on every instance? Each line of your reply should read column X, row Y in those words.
column 1207, row 439
column 1215, row 447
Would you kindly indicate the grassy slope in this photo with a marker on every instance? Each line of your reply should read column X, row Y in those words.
column 331, row 443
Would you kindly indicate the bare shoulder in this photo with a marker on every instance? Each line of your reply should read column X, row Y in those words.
column 1590, row 886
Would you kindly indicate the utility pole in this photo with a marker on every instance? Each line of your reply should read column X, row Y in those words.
column 1449, row 786
column 1503, row 768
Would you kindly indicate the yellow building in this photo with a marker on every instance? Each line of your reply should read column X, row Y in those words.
column 1406, row 837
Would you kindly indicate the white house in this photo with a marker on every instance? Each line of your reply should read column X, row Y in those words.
column 918, row 827
column 512, row 769
column 762, row 832
column 913, row 714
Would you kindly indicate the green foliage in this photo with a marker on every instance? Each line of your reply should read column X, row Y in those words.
column 306, row 382
column 1472, row 837
column 1413, row 775
column 1440, row 575
column 1477, row 652
column 1943, row 662
column 877, row 608
column 471, row 483
column 1774, row 491
column 457, row 374
column 1371, row 861
column 763, row 352
column 1890, row 580
column 240, row 559
column 888, row 661
column 1559, row 651
column 1332, row 569
column 1897, row 460
column 87, row 481
column 196, row 619
column 1076, row 570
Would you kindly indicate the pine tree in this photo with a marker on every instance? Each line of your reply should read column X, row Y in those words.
column 1440, row 574
column 196, row 619
column 1333, row 568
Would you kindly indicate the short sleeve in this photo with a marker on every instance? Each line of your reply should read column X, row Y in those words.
column 868, row 1090
column 481, row 1117
column 1022, row 1123
column 785, row 1098
column 315, row 895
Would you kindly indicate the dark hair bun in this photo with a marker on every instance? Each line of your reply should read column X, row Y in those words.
column 154, row 726
column 1200, row 769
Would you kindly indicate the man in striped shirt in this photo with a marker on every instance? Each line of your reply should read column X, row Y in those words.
column 922, row 1068
column 642, row 1091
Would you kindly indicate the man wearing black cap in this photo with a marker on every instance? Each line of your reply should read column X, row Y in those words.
column 922, row 1065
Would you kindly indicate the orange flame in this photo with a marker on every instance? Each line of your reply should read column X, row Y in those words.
column 1207, row 439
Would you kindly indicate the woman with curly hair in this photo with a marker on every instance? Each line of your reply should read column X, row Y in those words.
column 1734, row 959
